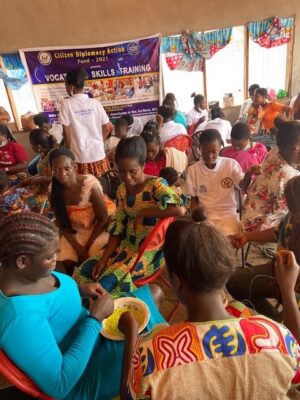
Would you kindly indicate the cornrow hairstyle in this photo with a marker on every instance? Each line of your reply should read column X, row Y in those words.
column 203, row 268
column 76, row 77
column 25, row 233
column 132, row 147
column 151, row 136
column 57, row 198
column 40, row 137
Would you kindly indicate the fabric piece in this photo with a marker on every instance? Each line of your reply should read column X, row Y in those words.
column 176, row 159
column 272, row 32
column 97, row 168
column 12, row 154
column 170, row 130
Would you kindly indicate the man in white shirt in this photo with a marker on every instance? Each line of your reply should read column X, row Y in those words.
column 247, row 103
column 213, row 181
column 168, row 129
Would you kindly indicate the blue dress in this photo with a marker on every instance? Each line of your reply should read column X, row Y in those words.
column 49, row 337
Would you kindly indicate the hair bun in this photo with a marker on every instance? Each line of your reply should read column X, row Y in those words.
column 199, row 214
column 193, row 94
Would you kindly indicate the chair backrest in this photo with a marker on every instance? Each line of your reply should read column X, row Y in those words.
column 182, row 142
column 155, row 239
column 14, row 375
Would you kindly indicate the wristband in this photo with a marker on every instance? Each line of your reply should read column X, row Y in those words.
column 91, row 316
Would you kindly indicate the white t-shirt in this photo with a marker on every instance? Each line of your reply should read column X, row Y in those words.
column 85, row 116
column 170, row 130
column 194, row 116
column 221, row 125
column 215, row 187
column 136, row 128
column 57, row 132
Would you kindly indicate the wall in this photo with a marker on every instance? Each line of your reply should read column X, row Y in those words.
column 35, row 23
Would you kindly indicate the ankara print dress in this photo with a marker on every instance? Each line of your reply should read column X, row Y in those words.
column 118, row 276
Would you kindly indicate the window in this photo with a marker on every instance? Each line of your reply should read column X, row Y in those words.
column 267, row 67
column 225, row 70
column 182, row 84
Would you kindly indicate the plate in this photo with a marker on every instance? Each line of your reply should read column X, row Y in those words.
column 136, row 306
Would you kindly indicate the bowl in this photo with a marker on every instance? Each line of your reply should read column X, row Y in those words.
column 123, row 304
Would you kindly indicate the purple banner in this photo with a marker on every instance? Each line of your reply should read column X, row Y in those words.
column 124, row 77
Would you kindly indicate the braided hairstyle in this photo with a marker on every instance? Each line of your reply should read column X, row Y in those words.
column 25, row 233
column 57, row 198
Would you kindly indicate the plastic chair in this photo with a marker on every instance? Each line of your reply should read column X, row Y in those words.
column 14, row 375
column 155, row 241
column 182, row 143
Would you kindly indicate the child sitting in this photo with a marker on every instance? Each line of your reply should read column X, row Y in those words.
column 12, row 201
column 242, row 150
column 212, row 182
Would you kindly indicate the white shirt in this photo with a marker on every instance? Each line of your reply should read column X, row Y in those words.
column 221, row 125
column 170, row 130
column 215, row 187
column 194, row 116
column 85, row 116
column 136, row 128
column 57, row 132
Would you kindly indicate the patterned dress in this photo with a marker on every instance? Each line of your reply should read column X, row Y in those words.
column 242, row 358
column 118, row 277
column 265, row 204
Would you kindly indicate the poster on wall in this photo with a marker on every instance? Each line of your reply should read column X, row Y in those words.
column 123, row 76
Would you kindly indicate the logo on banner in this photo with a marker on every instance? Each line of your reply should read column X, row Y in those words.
column 133, row 48
column 44, row 58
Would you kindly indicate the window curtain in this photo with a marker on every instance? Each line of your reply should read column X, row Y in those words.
column 15, row 77
column 272, row 32
column 188, row 51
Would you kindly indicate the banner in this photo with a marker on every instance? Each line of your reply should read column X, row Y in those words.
column 123, row 76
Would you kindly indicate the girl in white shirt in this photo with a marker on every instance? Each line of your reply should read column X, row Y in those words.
column 85, row 124
column 219, row 123
column 198, row 115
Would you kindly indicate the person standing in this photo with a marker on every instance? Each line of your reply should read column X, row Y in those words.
column 85, row 126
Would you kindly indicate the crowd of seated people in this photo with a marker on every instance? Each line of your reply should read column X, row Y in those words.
column 235, row 193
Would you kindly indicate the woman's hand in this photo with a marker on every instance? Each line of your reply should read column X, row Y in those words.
column 102, row 307
column 128, row 324
column 97, row 269
column 239, row 240
column 93, row 290
column 286, row 270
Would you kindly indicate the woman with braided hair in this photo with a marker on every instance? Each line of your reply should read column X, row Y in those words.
column 257, row 284
column 44, row 329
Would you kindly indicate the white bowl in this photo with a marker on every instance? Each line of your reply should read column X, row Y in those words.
column 133, row 304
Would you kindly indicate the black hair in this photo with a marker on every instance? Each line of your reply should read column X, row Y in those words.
column 40, row 119
column 40, row 137
column 57, row 198
column 25, row 233
column 206, row 267
column 288, row 132
column 4, row 181
column 240, row 131
column 262, row 92
column 170, row 96
column 216, row 112
column 150, row 125
column 4, row 130
column 166, row 112
column 210, row 135
column 132, row 147
column 254, row 87
column 76, row 77
column 121, row 122
column 128, row 118
column 198, row 98
column 151, row 136
column 169, row 174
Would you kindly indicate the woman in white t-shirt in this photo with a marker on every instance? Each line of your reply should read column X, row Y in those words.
column 85, row 125
column 198, row 115
column 219, row 123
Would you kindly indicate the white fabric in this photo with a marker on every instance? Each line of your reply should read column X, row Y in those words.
column 244, row 109
column 221, row 125
column 111, row 143
column 176, row 159
column 57, row 132
column 85, row 116
column 136, row 128
column 170, row 130
column 215, row 187
column 193, row 116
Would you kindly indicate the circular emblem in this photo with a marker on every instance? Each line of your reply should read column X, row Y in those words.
column 44, row 58
column 227, row 183
column 133, row 48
